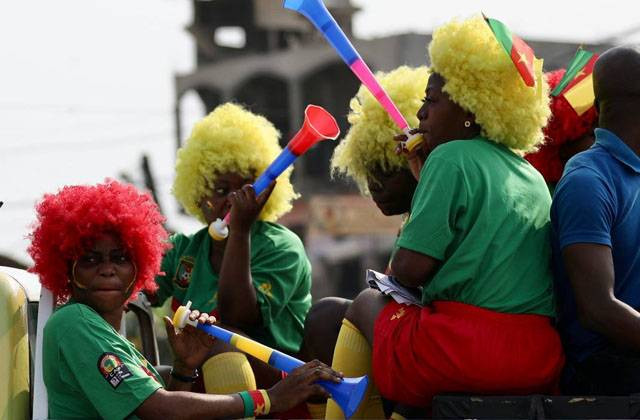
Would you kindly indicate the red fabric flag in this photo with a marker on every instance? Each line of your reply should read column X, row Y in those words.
column 521, row 54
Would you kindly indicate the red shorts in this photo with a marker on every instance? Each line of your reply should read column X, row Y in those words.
column 455, row 347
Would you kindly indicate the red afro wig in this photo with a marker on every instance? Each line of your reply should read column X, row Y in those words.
column 564, row 126
column 70, row 219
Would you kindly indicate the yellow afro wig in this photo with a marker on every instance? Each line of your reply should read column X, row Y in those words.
column 481, row 78
column 369, row 142
column 230, row 139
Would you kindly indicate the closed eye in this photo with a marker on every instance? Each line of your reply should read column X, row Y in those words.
column 428, row 99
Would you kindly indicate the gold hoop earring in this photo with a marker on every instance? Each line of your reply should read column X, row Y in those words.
column 73, row 277
column 467, row 123
column 135, row 274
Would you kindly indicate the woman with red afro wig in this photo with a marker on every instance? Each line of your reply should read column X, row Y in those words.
column 566, row 134
column 69, row 220
column 95, row 247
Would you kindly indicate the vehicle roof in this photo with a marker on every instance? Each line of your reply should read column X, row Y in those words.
column 28, row 281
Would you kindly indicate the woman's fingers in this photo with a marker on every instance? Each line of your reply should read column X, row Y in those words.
column 195, row 314
column 168, row 325
column 325, row 373
column 400, row 137
column 202, row 317
column 264, row 195
column 315, row 371
column 301, row 370
column 234, row 197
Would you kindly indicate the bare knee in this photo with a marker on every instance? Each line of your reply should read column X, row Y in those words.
column 365, row 309
column 322, row 327
column 362, row 304
column 326, row 315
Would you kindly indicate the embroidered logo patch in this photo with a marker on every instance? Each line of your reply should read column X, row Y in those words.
column 112, row 369
column 266, row 289
column 183, row 275
column 398, row 314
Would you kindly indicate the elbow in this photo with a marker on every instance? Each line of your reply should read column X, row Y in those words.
column 228, row 316
column 593, row 316
column 404, row 272
column 398, row 268
column 236, row 316
column 413, row 269
column 586, row 320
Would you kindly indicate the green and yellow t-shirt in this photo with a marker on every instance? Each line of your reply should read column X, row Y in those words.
column 281, row 275
column 484, row 212
column 90, row 370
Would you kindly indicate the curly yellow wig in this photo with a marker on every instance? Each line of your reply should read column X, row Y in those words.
column 369, row 142
column 230, row 139
column 481, row 78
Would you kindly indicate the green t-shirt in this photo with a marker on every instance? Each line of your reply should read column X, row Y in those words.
column 281, row 275
column 90, row 370
column 484, row 212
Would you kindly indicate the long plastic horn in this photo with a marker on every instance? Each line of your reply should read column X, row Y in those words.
column 317, row 13
column 318, row 125
column 347, row 394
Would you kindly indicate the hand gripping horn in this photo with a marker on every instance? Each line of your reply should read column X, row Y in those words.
column 318, row 125
column 317, row 13
column 347, row 394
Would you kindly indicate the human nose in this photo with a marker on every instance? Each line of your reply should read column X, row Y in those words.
column 422, row 112
column 107, row 267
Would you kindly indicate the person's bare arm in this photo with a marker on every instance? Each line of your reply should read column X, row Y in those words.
column 413, row 269
column 170, row 405
column 291, row 391
column 591, row 274
column 237, row 298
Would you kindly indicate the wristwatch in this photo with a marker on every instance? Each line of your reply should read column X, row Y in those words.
column 182, row 378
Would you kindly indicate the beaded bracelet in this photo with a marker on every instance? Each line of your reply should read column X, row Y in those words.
column 256, row 403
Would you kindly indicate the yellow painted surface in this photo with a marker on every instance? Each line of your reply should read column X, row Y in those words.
column 251, row 347
column 581, row 96
column 14, row 351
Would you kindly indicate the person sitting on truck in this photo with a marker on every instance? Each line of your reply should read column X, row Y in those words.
column 566, row 134
column 94, row 248
column 476, row 242
column 367, row 156
column 596, row 239
column 257, row 281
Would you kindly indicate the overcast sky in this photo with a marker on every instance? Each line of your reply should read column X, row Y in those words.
column 86, row 86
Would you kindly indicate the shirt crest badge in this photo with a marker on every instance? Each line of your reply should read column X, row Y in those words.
column 112, row 369
column 183, row 275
